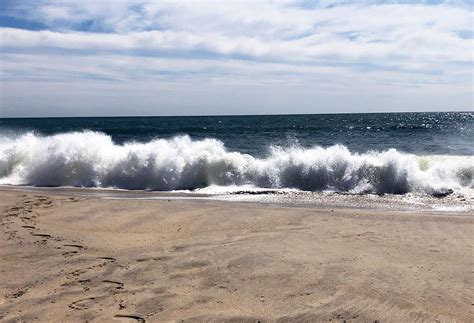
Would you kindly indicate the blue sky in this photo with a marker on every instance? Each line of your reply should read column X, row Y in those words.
column 89, row 58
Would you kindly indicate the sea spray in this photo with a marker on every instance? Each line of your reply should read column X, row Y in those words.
column 92, row 159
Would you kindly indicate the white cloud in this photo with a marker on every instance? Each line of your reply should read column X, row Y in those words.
column 327, row 48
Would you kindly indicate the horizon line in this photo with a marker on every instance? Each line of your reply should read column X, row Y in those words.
column 231, row 115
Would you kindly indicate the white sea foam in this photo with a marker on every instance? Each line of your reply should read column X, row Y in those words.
column 91, row 159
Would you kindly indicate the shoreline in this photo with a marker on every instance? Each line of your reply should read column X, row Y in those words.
column 74, row 258
column 453, row 204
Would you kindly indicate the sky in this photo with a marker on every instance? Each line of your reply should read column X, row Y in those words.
column 200, row 57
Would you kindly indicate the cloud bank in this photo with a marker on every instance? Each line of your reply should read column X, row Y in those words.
column 206, row 57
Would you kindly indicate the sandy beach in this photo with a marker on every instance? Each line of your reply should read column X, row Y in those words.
column 73, row 258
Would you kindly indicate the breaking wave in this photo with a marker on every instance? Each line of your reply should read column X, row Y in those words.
column 91, row 159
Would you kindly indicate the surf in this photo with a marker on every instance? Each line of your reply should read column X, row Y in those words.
column 93, row 159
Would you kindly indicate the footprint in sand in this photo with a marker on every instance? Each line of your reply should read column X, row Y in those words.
column 78, row 246
column 41, row 235
column 82, row 304
column 163, row 258
column 118, row 285
column 76, row 273
column 69, row 253
column 132, row 317
column 17, row 294
column 84, row 281
column 72, row 252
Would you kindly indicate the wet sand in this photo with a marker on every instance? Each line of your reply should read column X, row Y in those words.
column 71, row 258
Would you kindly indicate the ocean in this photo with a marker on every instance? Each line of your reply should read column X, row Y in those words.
column 382, row 153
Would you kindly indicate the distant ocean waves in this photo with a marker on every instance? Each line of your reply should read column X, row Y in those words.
column 92, row 159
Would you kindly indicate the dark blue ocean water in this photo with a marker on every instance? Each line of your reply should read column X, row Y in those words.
column 419, row 133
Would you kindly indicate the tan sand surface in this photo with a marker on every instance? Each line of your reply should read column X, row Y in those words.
column 69, row 258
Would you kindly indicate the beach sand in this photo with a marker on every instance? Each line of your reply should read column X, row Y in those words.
column 71, row 258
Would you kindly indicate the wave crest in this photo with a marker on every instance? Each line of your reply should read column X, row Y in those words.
column 91, row 159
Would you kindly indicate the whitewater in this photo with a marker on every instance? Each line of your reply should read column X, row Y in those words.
column 92, row 159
